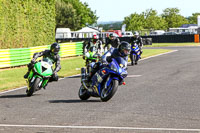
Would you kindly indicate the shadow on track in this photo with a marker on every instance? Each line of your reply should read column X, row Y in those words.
column 17, row 96
column 76, row 76
column 73, row 101
column 14, row 96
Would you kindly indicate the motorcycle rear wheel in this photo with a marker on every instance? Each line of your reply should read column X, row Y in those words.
column 108, row 93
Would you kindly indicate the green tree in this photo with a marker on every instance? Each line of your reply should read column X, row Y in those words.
column 173, row 18
column 134, row 22
column 74, row 14
column 153, row 21
column 66, row 15
column 193, row 19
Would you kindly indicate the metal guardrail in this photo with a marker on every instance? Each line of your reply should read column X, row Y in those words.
column 22, row 56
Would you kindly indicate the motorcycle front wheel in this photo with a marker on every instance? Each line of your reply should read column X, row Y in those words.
column 108, row 93
column 33, row 87
column 133, row 59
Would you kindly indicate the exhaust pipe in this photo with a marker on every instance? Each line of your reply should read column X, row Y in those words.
column 83, row 73
column 83, row 78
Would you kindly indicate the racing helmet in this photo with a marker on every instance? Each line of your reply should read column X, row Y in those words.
column 55, row 48
column 111, row 36
column 136, row 34
column 124, row 48
column 95, row 38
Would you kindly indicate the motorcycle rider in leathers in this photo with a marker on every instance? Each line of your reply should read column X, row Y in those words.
column 123, row 51
column 138, row 40
column 94, row 42
column 51, row 54
column 113, row 41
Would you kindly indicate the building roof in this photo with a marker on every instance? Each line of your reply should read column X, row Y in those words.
column 87, row 29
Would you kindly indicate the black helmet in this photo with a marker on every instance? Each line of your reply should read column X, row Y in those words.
column 55, row 48
column 111, row 36
column 124, row 48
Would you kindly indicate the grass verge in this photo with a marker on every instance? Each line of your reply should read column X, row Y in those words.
column 13, row 77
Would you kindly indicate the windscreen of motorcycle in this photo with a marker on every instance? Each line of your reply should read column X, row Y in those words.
column 121, row 61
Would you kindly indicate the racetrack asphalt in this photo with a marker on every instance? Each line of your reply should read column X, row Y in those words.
column 161, row 95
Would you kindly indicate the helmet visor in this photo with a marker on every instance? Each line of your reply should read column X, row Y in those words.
column 126, row 51
column 55, row 51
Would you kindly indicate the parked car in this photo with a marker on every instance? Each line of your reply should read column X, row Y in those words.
column 127, row 34
column 106, row 34
column 118, row 32
column 157, row 32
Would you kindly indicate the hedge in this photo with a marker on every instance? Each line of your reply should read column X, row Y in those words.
column 26, row 23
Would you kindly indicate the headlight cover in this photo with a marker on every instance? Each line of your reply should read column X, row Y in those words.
column 113, row 68
column 124, row 74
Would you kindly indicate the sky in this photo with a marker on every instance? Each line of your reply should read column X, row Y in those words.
column 116, row 10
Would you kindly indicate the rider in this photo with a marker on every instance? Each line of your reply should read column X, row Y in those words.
column 94, row 42
column 123, row 51
column 138, row 40
column 114, row 41
column 53, row 55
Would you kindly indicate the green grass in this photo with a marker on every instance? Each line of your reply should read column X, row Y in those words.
column 151, row 52
column 172, row 44
column 13, row 77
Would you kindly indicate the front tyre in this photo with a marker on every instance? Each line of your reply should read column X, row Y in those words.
column 108, row 93
column 33, row 87
column 83, row 94
column 133, row 59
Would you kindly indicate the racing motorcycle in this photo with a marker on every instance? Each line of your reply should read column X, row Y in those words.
column 39, row 76
column 92, row 56
column 105, row 82
column 134, row 54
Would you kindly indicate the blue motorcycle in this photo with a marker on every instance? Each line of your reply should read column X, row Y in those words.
column 105, row 82
column 134, row 54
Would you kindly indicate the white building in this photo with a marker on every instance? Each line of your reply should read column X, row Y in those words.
column 86, row 32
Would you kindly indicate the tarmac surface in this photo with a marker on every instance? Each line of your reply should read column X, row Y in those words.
column 162, row 94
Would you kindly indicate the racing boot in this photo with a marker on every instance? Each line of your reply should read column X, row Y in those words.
column 88, row 80
column 26, row 75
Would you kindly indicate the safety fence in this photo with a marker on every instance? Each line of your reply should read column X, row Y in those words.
column 148, row 40
column 22, row 56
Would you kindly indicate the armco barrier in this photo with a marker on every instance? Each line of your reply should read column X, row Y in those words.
column 22, row 56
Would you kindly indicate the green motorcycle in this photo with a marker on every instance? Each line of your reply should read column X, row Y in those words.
column 39, row 76
column 92, row 57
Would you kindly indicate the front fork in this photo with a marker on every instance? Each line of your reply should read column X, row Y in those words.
column 31, row 80
column 109, row 80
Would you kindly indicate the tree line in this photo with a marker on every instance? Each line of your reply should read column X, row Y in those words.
column 74, row 14
column 26, row 23
column 170, row 18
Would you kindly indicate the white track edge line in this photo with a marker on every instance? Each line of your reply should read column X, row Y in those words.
column 100, row 127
